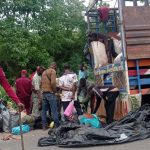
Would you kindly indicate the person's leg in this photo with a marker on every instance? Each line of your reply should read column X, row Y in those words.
column 59, row 108
column 35, row 108
column 44, row 111
column 86, row 107
column 65, row 104
column 27, row 105
column 110, row 106
column 98, row 101
column 54, row 108
column 78, row 107
column 92, row 103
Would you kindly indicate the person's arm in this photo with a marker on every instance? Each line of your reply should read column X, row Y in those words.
column 9, row 90
column 62, row 87
column 53, row 80
column 79, row 90
column 74, row 87
column 65, row 88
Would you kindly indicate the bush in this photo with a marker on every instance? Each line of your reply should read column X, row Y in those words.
column 6, row 98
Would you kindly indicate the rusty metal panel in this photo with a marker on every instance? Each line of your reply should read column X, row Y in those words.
column 134, row 16
column 137, row 31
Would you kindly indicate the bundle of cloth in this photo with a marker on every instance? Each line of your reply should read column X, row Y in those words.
column 135, row 126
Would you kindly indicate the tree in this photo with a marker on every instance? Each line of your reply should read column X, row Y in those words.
column 36, row 32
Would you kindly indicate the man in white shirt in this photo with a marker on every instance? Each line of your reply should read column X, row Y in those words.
column 68, row 84
column 36, row 92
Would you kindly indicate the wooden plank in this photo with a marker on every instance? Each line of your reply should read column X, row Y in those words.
column 142, row 48
column 142, row 33
column 144, row 91
column 135, row 54
column 142, row 72
column 138, row 51
column 142, row 62
column 140, row 18
column 138, row 41
column 137, row 27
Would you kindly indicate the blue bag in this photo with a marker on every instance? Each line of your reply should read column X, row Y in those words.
column 16, row 130
column 93, row 122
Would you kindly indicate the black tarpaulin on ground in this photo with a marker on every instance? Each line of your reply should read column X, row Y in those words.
column 135, row 126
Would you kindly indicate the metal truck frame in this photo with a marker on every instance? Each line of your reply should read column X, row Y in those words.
column 134, row 26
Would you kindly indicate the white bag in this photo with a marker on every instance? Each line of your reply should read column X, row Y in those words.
column 100, row 56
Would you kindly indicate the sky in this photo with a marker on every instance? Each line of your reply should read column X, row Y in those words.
column 112, row 3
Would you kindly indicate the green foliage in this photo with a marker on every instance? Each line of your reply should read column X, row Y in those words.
column 37, row 32
column 6, row 98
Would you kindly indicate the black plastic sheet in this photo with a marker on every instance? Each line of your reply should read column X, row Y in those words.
column 134, row 126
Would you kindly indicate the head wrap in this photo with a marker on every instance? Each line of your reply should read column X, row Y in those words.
column 24, row 72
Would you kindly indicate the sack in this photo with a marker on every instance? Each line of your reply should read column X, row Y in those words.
column 6, row 120
column 14, row 119
column 135, row 101
column 70, row 109
column 16, row 130
column 1, row 123
column 100, row 56
column 5, row 115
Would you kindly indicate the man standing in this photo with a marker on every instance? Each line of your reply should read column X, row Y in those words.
column 49, row 97
column 36, row 92
column 68, row 84
column 24, row 90
column 9, row 90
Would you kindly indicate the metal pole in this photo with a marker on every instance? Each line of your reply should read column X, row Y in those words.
column 21, row 134
column 146, row 3
column 134, row 2
column 120, row 6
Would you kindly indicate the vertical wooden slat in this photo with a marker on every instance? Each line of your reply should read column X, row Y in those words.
column 123, row 3
column 134, row 2
column 146, row 3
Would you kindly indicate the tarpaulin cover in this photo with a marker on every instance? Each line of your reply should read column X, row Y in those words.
column 134, row 126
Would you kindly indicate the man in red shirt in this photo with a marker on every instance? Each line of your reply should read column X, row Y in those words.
column 24, row 90
column 9, row 90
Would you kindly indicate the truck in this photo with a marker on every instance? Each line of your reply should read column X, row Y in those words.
column 132, row 74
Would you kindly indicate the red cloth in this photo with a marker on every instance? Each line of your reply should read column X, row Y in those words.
column 23, row 87
column 23, row 91
column 7, row 87
column 104, row 13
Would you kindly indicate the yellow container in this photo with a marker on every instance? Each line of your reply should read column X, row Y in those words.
column 51, row 125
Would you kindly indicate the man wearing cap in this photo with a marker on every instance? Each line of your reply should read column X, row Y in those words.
column 49, row 97
column 9, row 90
column 24, row 90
